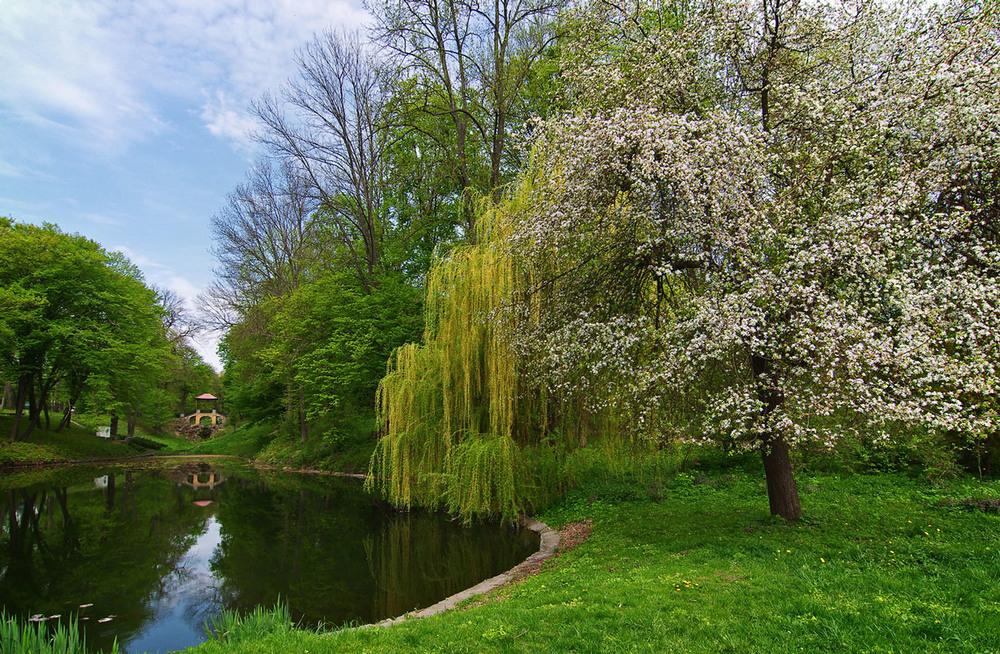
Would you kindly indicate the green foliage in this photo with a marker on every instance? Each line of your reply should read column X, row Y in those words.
column 928, row 453
column 337, row 444
column 22, row 637
column 233, row 627
column 335, row 339
column 315, row 368
column 80, row 327
column 463, row 423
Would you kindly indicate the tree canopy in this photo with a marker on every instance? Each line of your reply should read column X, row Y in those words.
column 78, row 318
column 763, row 224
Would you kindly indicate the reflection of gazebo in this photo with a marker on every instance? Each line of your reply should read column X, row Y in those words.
column 207, row 480
column 199, row 413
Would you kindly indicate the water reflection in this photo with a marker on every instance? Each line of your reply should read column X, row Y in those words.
column 160, row 551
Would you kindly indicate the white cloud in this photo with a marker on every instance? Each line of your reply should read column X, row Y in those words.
column 225, row 120
column 66, row 72
column 9, row 170
column 100, row 73
column 144, row 262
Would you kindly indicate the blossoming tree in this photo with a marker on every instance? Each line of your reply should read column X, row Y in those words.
column 774, row 222
column 764, row 223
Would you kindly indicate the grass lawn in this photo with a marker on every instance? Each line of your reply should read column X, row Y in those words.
column 71, row 444
column 881, row 563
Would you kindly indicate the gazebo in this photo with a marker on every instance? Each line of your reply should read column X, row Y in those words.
column 208, row 397
column 200, row 413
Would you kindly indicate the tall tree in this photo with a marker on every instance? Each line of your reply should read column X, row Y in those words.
column 785, row 166
column 468, row 65
column 75, row 306
column 266, row 237
column 335, row 137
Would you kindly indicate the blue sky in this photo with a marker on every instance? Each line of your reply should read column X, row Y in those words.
column 127, row 120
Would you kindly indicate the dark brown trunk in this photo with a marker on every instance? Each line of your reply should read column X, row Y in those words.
column 23, row 382
column 114, row 426
column 67, row 416
column 782, row 493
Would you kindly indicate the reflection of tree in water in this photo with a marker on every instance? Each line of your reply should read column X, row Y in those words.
column 109, row 545
column 298, row 541
column 336, row 554
column 417, row 560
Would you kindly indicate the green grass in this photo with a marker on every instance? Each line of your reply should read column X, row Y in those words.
column 879, row 564
column 346, row 450
column 244, row 441
column 232, row 627
column 22, row 637
column 72, row 444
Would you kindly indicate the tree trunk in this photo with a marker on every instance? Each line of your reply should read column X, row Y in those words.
column 34, row 409
column 133, row 417
column 782, row 493
column 114, row 426
column 23, row 382
column 303, row 425
column 67, row 417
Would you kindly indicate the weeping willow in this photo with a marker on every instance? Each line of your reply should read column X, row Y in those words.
column 461, row 425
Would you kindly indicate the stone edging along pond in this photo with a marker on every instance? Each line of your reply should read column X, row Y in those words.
column 548, row 542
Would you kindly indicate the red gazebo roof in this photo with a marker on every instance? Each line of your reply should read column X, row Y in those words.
column 206, row 396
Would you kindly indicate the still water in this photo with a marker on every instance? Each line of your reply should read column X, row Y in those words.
column 147, row 555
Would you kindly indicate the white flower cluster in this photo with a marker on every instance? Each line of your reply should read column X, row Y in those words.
column 786, row 228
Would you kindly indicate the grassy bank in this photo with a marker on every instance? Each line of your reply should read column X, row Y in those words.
column 882, row 563
column 346, row 450
column 72, row 444
column 262, row 443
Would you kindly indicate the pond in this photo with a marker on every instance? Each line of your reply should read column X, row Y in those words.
column 148, row 554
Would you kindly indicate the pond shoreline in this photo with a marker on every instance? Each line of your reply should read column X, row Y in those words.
column 42, row 465
column 315, row 522
column 549, row 539
column 548, row 543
